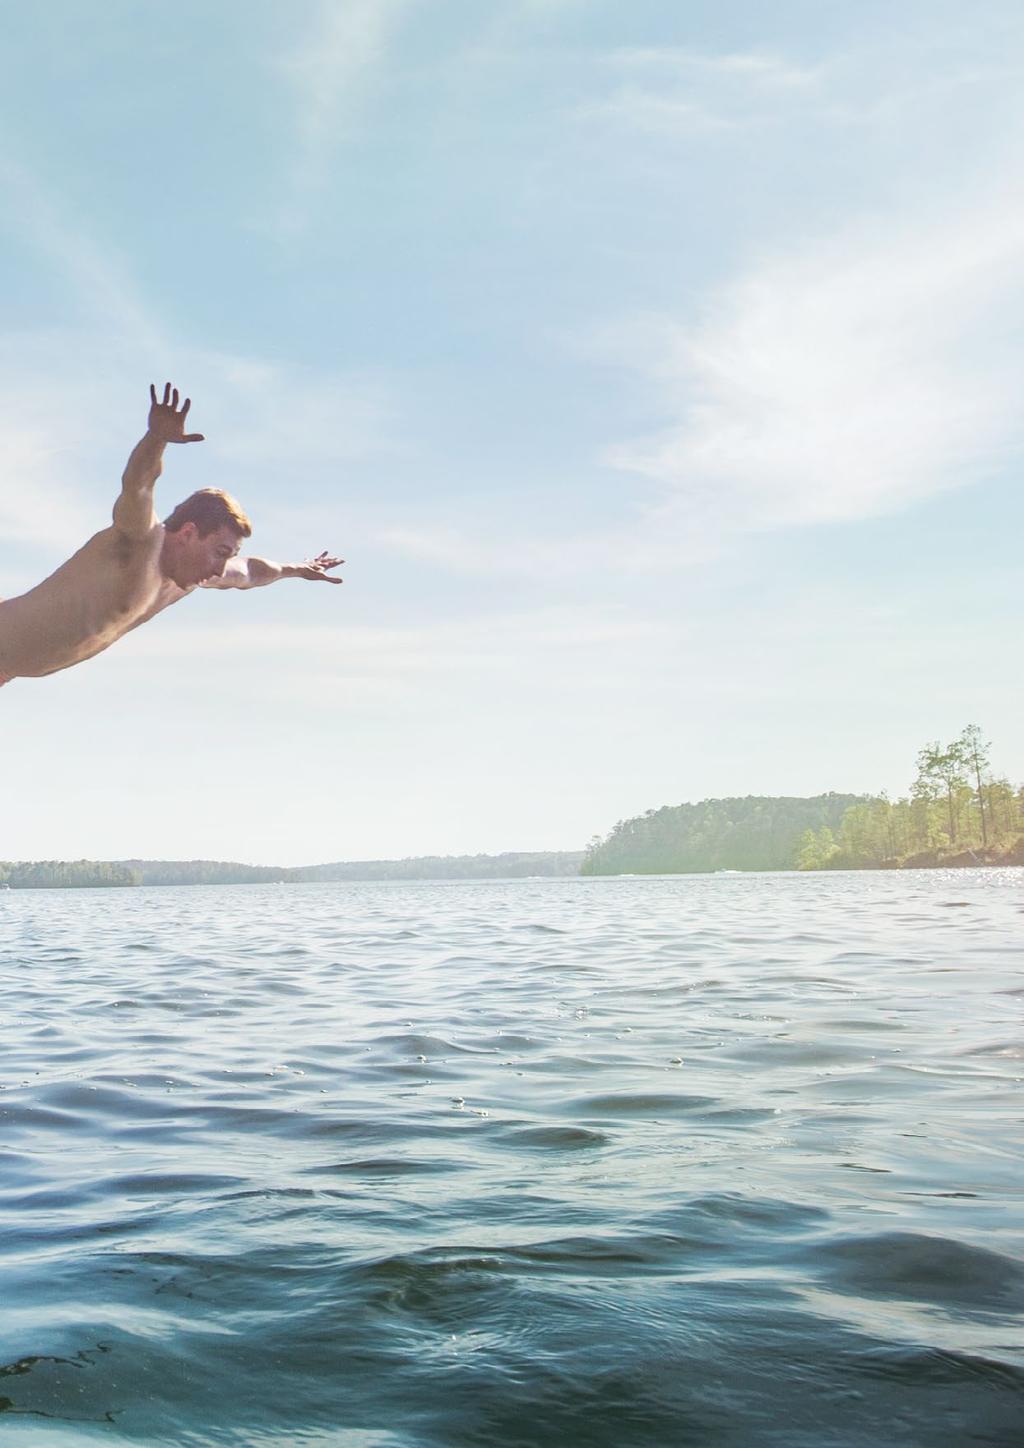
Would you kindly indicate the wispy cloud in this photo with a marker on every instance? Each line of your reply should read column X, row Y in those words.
column 294, row 417
column 758, row 68
column 93, row 274
column 331, row 73
column 58, row 391
column 471, row 551
column 453, row 645
column 842, row 380
column 54, row 397
column 678, row 92
column 475, row 655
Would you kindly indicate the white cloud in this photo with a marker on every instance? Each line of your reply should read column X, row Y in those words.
column 756, row 68
column 286, row 420
column 472, row 552
column 678, row 92
column 331, row 73
column 660, row 113
column 234, row 649
column 55, row 402
column 843, row 380
column 472, row 644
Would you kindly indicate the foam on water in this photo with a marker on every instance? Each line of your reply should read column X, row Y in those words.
column 715, row 1160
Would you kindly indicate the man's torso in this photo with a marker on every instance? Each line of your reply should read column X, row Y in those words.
column 111, row 585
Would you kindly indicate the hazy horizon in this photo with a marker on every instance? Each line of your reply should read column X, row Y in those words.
column 657, row 374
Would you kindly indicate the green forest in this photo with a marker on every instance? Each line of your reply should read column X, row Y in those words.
column 755, row 832
column 63, row 874
column 58, row 874
column 417, row 867
column 515, row 865
column 957, row 812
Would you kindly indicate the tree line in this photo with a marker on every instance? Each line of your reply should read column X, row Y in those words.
column 59, row 874
column 64, row 874
column 514, row 865
column 957, row 812
column 755, row 832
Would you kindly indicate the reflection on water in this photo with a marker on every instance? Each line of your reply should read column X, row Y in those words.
column 714, row 1160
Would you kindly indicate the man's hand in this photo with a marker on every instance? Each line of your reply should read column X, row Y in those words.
column 316, row 568
column 134, row 515
column 166, row 423
column 258, row 572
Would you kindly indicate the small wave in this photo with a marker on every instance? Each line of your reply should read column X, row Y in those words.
column 921, row 1366
column 276, row 1196
column 415, row 1044
column 723, row 1221
column 554, row 1138
column 639, row 1104
column 942, row 1270
column 382, row 1166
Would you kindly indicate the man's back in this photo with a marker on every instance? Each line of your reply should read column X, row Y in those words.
column 112, row 584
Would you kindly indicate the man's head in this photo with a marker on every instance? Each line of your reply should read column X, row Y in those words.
column 201, row 535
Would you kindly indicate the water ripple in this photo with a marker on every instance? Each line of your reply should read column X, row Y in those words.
column 712, row 1160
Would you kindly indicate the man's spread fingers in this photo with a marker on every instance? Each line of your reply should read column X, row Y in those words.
column 152, row 393
column 174, row 398
column 167, row 393
column 185, row 408
column 194, row 437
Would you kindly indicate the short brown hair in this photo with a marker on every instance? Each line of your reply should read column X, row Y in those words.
column 210, row 509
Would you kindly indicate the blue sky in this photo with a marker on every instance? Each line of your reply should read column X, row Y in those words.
column 656, row 368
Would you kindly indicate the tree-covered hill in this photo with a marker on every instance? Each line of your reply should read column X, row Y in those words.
column 202, row 872
column 958, row 812
column 64, row 874
column 756, row 832
column 510, row 866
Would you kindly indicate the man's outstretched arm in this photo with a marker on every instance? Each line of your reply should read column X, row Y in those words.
column 258, row 572
column 134, row 514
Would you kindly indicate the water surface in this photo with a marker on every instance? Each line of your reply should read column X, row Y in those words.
column 712, row 1160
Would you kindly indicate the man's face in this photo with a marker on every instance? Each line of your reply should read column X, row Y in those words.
column 203, row 558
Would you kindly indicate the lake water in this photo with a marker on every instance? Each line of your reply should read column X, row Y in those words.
column 712, row 1160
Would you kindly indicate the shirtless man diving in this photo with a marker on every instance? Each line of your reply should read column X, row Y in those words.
column 139, row 566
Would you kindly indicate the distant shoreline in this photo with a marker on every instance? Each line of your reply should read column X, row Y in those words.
column 548, row 865
column 964, row 829
column 84, row 874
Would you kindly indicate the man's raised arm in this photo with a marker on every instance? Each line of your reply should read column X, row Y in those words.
column 258, row 572
column 134, row 514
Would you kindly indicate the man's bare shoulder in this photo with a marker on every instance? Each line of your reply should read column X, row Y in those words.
column 106, row 556
column 113, row 545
